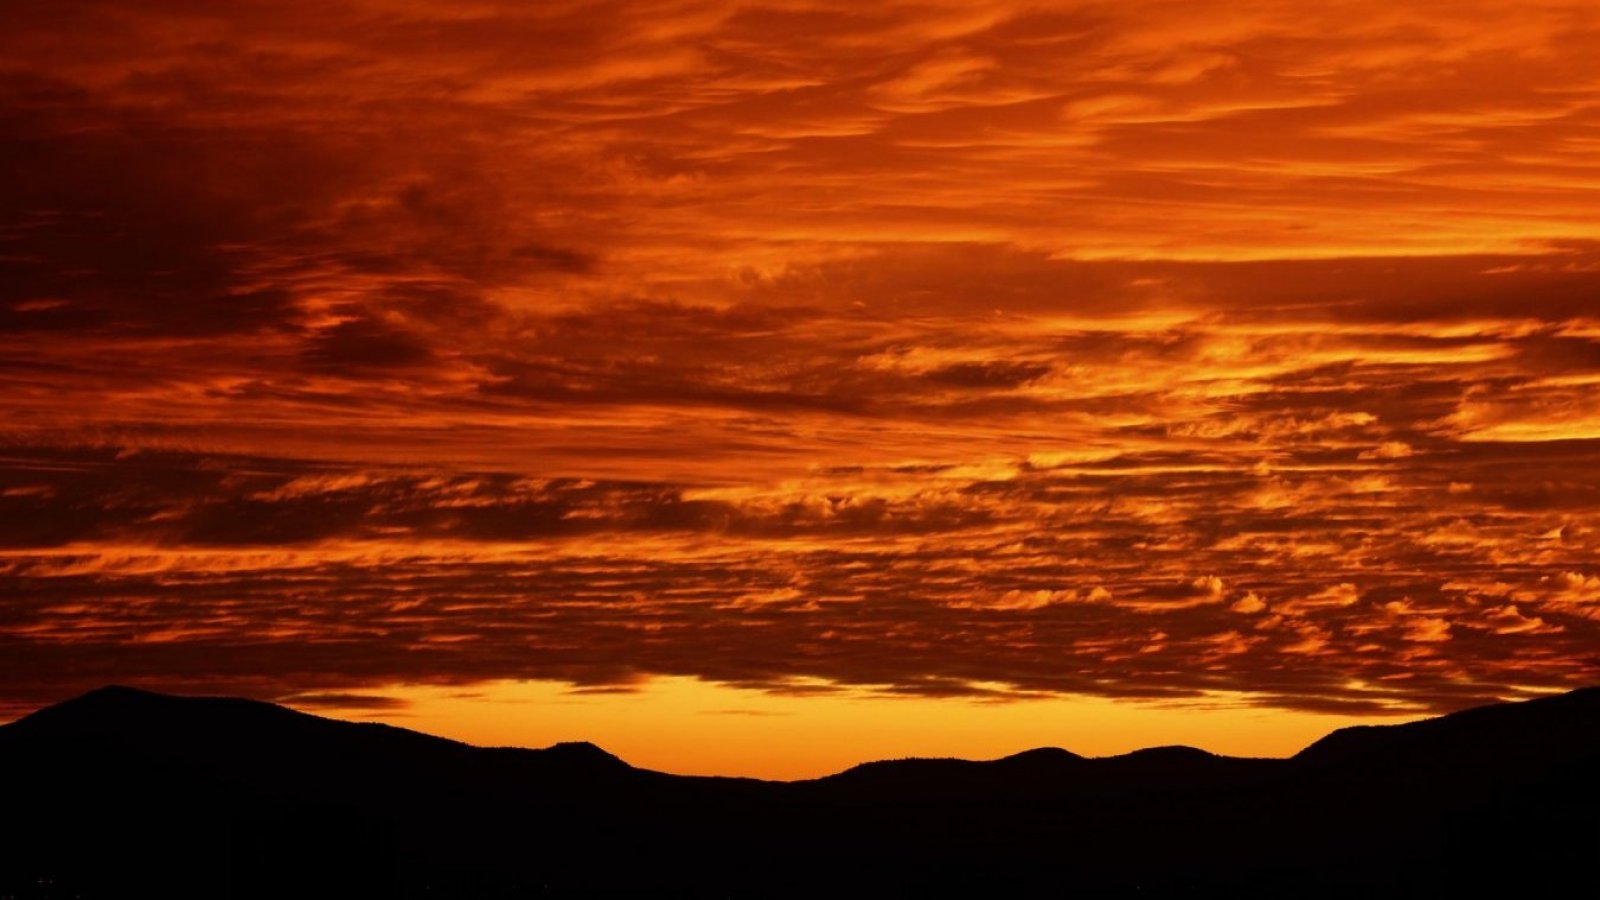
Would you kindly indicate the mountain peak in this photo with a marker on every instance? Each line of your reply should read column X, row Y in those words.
column 110, row 706
column 118, row 690
column 1168, row 752
column 113, row 695
column 1041, row 756
column 584, row 753
column 1503, row 732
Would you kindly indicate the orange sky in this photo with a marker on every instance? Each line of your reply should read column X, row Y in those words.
column 359, row 352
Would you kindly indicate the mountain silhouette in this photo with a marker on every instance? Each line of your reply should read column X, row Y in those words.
column 127, row 793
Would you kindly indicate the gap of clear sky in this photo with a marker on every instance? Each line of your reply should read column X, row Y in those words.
column 993, row 372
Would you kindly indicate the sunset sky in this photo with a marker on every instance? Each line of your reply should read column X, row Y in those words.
column 758, row 388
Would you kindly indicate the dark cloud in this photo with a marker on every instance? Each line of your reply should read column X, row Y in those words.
column 118, row 221
column 364, row 343
column 1343, row 291
column 337, row 701
column 989, row 374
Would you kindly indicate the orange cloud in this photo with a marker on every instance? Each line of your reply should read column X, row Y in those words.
column 988, row 349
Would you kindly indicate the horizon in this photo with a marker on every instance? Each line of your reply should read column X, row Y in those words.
column 323, row 714
column 645, row 750
column 755, row 385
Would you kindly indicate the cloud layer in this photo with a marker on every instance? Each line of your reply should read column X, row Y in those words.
column 1136, row 349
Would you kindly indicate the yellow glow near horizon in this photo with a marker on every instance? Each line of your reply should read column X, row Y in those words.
column 692, row 727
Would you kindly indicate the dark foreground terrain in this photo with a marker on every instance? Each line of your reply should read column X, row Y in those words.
column 123, row 793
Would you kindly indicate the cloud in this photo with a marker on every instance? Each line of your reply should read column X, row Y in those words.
column 365, row 343
column 224, row 570
column 337, row 701
column 1249, row 604
column 1134, row 350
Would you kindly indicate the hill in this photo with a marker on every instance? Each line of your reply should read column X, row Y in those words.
column 126, row 793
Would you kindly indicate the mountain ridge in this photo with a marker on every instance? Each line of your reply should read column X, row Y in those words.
column 125, row 793
column 124, row 700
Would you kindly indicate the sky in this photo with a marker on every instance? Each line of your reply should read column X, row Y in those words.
column 713, row 379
